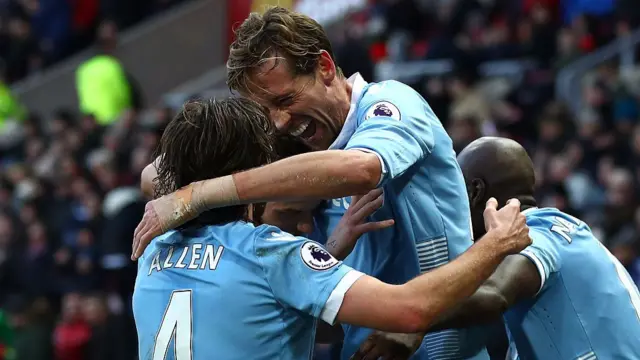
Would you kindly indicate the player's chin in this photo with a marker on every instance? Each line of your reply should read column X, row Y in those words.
column 319, row 140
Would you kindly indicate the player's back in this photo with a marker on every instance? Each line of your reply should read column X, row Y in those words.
column 588, row 307
column 202, row 294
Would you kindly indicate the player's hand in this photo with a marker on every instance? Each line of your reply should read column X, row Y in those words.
column 353, row 223
column 388, row 346
column 509, row 224
column 161, row 215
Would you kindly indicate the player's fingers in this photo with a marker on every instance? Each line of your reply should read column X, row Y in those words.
column 492, row 204
column 358, row 201
column 514, row 203
column 355, row 203
column 377, row 351
column 140, row 229
column 364, row 349
column 374, row 226
column 141, row 241
column 489, row 214
column 368, row 208
column 145, row 239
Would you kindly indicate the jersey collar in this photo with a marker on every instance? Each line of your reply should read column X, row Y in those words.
column 351, row 123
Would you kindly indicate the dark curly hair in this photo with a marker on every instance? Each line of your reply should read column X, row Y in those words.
column 213, row 138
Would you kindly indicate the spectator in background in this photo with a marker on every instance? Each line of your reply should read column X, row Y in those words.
column 109, row 338
column 51, row 21
column 39, row 33
column 33, row 324
column 351, row 53
column 72, row 334
column 75, row 175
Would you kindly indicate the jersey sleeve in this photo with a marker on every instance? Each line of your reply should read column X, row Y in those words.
column 302, row 274
column 395, row 123
column 544, row 253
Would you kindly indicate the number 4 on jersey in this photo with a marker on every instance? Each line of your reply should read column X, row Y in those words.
column 177, row 326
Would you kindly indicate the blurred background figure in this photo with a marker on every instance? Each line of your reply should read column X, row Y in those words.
column 559, row 76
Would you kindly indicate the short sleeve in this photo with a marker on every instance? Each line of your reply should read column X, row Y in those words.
column 543, row 252
column 396, row 124
column 302, row 274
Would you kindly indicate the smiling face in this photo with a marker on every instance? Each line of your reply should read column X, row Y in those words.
column 284, row 61
column 310, row 107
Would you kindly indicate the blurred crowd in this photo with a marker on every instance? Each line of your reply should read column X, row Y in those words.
column 37, row 33
column 69, row 198
column 587, row 161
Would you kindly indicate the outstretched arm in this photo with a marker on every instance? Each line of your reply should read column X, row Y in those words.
column 318, row 175
column 313, row 176
column 417, row 305
column 515, row 279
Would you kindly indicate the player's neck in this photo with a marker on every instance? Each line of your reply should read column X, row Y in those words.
column 527, row 202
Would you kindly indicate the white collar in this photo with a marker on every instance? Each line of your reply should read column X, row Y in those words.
column 351, row 123
column 529, row 210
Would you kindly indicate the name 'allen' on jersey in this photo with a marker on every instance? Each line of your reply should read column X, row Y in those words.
column 203, row 256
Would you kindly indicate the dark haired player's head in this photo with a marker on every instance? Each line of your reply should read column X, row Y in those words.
column 213, row 138
column 499, row 168
column 293, row 217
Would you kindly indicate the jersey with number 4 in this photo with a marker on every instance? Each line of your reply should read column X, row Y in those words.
column 587, row 308
column 235, row 291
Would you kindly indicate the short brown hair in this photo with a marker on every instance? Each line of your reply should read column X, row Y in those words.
column 213, row 138
column 278, row 33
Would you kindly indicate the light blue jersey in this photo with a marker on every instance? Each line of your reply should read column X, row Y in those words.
column 588, row 308
column 235, row 291
column 424, row 191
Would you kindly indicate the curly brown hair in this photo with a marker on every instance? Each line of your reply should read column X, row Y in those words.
column 277, row 34
column 213, row 138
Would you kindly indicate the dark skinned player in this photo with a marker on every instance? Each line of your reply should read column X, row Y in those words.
column 565, row 296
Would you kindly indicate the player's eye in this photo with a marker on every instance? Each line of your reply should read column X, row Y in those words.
column 286, row 101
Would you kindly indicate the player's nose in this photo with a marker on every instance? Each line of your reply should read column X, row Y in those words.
column 280, row 118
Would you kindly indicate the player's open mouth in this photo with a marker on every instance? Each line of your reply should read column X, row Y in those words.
column 305, row 129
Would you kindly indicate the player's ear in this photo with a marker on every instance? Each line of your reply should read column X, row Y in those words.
column 326, row 68
column 477, row 193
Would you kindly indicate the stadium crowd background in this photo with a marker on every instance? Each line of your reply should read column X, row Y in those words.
column 68, row 185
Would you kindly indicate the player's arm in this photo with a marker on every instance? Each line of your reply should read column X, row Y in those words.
column 515, row 279
column 416, row 305
column 382, row 148
column 312, row 176
column 384, row 145
column 519, row 277
column 304, row 276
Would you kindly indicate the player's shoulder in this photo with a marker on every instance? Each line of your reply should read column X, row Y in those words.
column 271, row 240
column 545, row 217
column 270, row 233
column 555, row 226
column 389, row 90
column 388, row 98
column 271, row 237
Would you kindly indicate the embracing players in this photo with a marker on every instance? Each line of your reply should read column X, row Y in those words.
column 379, row 135
column 223, row 288
column 565, row 296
